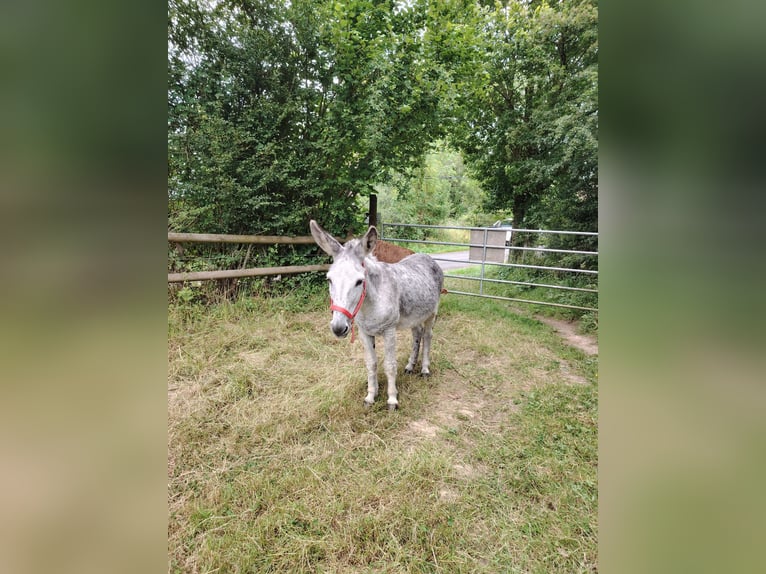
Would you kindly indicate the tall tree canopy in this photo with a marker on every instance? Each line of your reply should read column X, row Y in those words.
column 284, row 111
column 530, row 124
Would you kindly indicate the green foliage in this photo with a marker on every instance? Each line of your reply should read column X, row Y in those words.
column 530, row 124
column 283, row 112
column 190, row 257
column 439, row 190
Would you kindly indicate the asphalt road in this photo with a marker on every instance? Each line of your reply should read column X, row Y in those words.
column 455, row 260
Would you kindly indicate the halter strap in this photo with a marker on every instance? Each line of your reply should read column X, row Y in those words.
column 352, row 314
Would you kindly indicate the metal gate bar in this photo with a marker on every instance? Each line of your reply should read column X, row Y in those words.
column 483, row 262
column 592, row 272
column 511, row 247
column 522, row 300
column 564, row 287
column 490, row 228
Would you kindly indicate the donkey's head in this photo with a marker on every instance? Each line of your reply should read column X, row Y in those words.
column 347, row 277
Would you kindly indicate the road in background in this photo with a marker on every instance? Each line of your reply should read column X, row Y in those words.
column 456, row 260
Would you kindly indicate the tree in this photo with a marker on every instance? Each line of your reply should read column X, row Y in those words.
column 283, row 112
column 440, row 189
column 530, row 129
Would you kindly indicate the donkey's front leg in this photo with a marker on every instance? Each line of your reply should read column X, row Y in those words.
column 371, row 362
column 389, row 365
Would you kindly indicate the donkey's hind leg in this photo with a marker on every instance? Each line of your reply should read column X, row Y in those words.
column 428, row 326
column 417, row 335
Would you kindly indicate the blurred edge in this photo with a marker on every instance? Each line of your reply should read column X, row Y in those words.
column 82, row 336
column 682, row 397
column 682, row 423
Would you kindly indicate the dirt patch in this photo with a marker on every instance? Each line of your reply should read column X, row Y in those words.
column 258, row 359
column 466, row 471
column 571, row 376
column 568, row 331
column 423, row 428
column 448, row 494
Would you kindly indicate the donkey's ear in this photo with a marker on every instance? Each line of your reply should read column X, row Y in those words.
column 369, row 240
column 326, row 241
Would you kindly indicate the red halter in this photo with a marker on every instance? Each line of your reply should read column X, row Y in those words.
column 352, row 314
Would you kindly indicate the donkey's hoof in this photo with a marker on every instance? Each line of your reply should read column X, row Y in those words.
column 393, row 406
column 407, row 371
column 425, row 375
column 367, row 405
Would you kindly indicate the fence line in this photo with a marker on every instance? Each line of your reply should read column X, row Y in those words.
column 253, row 272
column 485, row 262
column 511, row 247
column 556, row 232
column 484, row 246
column 453, row 292
column 503, row 234
column 219, row 238
column 234, row 273
column 487, row 280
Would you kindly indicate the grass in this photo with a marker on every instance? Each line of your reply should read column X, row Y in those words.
column 274, row 465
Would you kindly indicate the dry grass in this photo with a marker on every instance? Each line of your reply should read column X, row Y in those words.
column 275, row 465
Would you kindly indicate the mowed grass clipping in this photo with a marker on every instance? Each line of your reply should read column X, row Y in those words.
column 274, row 464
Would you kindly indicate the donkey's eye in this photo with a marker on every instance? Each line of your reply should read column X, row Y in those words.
column 358, row 282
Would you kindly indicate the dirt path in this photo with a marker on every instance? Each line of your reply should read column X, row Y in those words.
column 568, row 331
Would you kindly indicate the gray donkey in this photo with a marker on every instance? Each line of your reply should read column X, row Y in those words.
column 381, row 297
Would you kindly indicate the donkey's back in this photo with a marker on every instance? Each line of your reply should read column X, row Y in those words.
column 419, row 279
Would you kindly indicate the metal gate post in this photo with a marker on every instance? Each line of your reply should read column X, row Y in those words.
column 483, row 259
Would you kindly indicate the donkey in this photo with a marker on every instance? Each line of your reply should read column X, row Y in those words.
column 381, row 297
column 386, row 252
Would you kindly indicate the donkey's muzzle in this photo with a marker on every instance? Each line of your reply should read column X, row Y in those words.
column 340, row 329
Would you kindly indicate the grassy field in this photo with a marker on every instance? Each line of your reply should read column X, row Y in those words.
column 274, row 465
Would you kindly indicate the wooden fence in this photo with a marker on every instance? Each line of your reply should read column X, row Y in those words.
column 252, row 272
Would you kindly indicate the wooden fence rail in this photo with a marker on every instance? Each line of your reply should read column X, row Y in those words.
column 231, row 273
column 216, row 238
column 254, row 272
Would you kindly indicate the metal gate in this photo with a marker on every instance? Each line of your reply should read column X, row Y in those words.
column 493, row 247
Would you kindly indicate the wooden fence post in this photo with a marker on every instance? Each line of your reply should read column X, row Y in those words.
column 373, row 213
